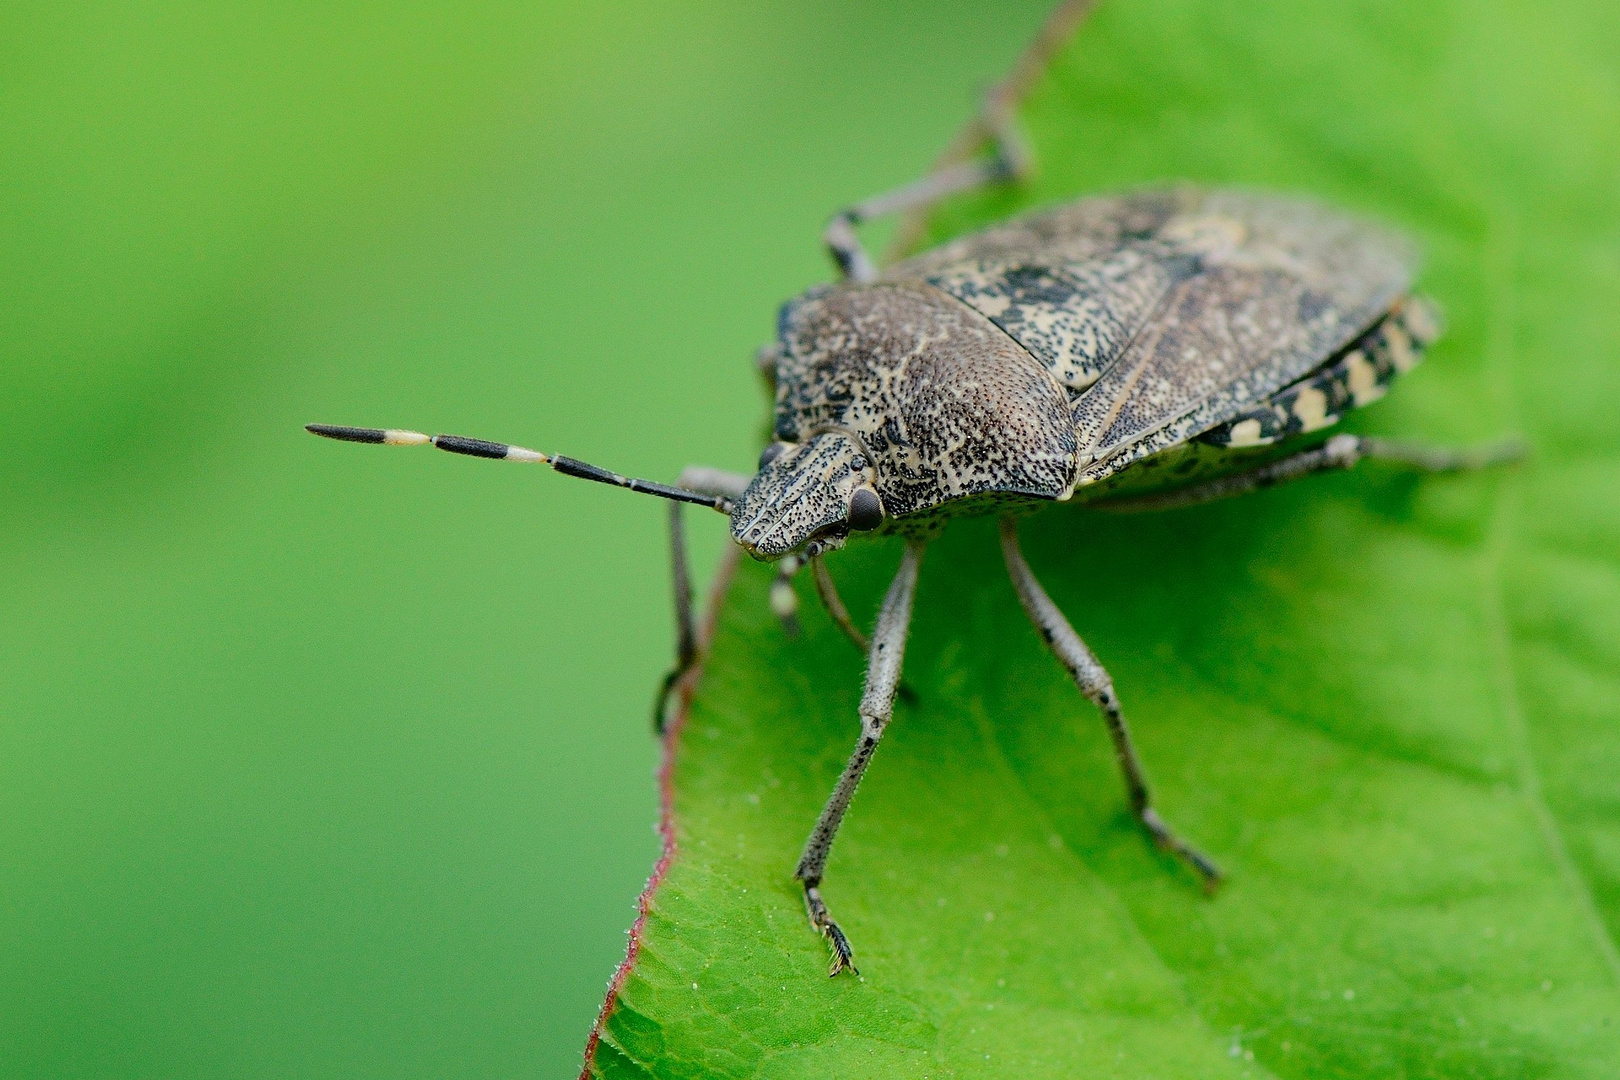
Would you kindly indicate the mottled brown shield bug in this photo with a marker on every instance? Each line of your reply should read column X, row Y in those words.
column 1133, row 351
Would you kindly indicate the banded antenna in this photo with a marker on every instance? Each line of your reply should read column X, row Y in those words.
column 483, row 448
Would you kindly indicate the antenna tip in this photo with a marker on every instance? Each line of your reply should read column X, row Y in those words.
column 346, row 434
column 382, row 436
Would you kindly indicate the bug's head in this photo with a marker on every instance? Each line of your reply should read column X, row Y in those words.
column 815, row 492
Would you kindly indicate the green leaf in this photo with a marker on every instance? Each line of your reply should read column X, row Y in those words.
column 1390, row 706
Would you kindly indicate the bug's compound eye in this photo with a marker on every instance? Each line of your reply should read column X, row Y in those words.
column 865, row 510
column 771, row 453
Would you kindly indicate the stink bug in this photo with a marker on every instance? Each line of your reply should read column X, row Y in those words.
column 1134, row 351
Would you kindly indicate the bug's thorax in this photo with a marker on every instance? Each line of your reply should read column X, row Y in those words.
column 900, row 389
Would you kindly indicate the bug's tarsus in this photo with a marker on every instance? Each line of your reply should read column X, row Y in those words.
column 842, row 955
column 1209, row 874
column 1094, row 682
column 876, row 708
column 1011, row 158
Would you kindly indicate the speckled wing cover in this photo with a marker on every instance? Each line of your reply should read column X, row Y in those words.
column 1165, row 312
column 947, row 404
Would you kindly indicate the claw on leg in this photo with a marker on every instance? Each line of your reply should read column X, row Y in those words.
column 1208, row 873
column 843, row 957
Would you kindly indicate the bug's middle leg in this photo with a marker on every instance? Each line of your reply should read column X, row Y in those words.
column 1095, row 683
column 1339, row 452
column 877, row 706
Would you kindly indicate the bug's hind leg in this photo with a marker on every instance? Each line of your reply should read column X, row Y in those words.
column 1094, row 682
column 1009, row 157
column 993, row 124
column 1339, row 452
column 877, row 706
column 688, row 648
column 959, row 170
column 1005, row 163
column 1442, row 459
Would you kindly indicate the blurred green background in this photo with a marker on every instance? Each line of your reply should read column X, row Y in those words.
column 334, row 761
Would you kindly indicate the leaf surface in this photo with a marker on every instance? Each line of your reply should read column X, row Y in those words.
column 1390, row 706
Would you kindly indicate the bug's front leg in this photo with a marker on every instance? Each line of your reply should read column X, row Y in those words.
column 828, row 592
column 688, row 648
column 1094, row 682
column 877, row 706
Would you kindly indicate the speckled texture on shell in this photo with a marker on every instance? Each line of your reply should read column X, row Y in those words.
column 1072, row 284
column 1061, row 347
column 1357, row 375
column 1176, row 307
column 945, row 403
